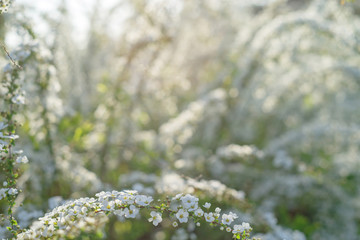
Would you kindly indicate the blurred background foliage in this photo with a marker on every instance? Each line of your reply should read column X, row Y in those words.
column 251, row 104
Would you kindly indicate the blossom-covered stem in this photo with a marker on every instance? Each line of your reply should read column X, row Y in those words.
column 11, row 172
column 12, row 98
column 65, row 219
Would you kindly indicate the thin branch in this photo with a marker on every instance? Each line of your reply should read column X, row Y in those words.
column 11, row 59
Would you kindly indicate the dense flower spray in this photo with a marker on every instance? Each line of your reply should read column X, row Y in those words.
column 70, row 218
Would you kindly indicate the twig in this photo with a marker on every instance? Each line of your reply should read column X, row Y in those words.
column 11, row 59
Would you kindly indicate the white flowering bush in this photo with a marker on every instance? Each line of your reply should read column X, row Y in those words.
column 225, row 118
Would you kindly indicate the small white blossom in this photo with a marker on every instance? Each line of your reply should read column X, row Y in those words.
column 22, row 159
column 189, row 201
column 178, row 196
column 131, row 192
column 241, row 228
column 199, row 212
column 143, row 200
column 233, row 215
column 209, row 217
column 18, row 99
column 207, row 205
column 155, row 218
column 238, row 229
column 227, row 219
column 3, row 193
column 107, row 206
column 131, row 212
column 12, row 191
column 4, row 5
column 127, row 199
column 182, row 216
column 246, row 226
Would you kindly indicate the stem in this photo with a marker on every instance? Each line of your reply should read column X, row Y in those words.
column 11, row 59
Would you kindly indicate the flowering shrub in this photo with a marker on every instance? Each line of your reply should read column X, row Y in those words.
column 248, row 108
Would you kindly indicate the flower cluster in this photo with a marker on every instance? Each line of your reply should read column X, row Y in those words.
column 127, row 204
column 9, row 191
column 189, row 207
column 4, row 138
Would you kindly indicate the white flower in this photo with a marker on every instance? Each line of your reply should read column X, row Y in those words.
column 222, row 228
column 217, row 210
column 5, row 183
column 199, row 212
column 131, row 192
column 193, row 207
column 22, row 159
column 182, row 216
column 12, row 191
column 238, row 229
column 143, row 200
column 207, row 205
column 82, row 212
column 175, row 224
column 62, row 221
column 48, row 231
column 241, row 228
column 131, row 212
column 127, row 199
column 246, row 226
column 155, row 218
column 233, row 215
column 114, row 194
column 227, row 219
column 189, row 201
column 228, row 229
column 198, row 224
column 18, row 99
column 209, row 217
column 78, row 211
column 3, row 193
column 178, row 196
column 107, row 206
